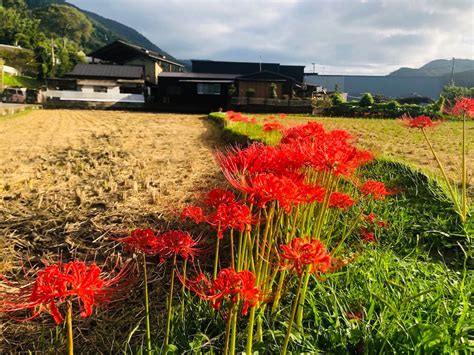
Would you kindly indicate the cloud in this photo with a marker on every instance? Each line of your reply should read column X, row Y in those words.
column 370, row 37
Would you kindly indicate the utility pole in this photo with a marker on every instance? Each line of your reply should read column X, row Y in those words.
column 260, row 57
column 452, row 73
column 314, row 68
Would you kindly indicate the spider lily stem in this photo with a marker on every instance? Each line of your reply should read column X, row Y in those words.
column 292, row 316
column 170, row 304
column 70, row 337
column 147, row 307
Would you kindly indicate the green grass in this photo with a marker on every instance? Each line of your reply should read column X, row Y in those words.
column 21, row 81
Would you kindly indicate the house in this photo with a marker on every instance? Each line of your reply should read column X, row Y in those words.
column 216, row 84
column 97, row 86
column 123, row 53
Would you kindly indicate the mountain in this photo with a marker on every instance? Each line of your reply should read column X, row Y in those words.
column 463, row 71
column 439, row 67
column 104, row 30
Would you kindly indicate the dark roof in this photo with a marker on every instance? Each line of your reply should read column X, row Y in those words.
column 106, row 71
column 244, row 68
column 121, row 51
column 197, row 75
column 265, row 76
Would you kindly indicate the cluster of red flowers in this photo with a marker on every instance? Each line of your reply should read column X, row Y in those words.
column 464, row 106
column 167, row 245
column 58, row 283
column 375, row 189
column 301, row 253
column 223, row 212
column 229, row 285
column 340, row 200
column 372, row 219
column 272, row 126
column 418, row 121
column 238, row 117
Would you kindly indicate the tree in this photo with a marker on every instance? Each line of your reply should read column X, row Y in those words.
column 336, row 99
column 453, row 93
column 64, row 21
column 17, row 28
column 366, row 100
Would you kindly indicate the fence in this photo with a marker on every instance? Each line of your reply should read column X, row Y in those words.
column 270, row 102
column 66, row 95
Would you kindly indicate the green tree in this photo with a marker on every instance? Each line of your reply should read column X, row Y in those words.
column 273, row 91
column 64, row 21
column 366, row 100
column 18, row 28
column 453, row 93
column 336, row 99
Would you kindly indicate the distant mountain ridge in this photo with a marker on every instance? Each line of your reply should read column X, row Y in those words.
column 463, row 71
column 105, row 30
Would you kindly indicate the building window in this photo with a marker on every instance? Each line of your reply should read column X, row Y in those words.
column 131, row 90
column 100, row 88
column 208, row 89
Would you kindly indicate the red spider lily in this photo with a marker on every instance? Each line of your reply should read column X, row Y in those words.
column 229, row 285
column 418, row 122
column 301, row 253
column 341, row 200
column 142, row 240
column 193, row 212
column 331, row 152
column 464, row 106
column 376, row 189
column 309, row 131
column 238, row 117
column 367, row 236
column 272, row 126
column 176, row 242
column 217, row 196
column 230, row 216
column 282, row 115
column 59, row 283
column 371, row 218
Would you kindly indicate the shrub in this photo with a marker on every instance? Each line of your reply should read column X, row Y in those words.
column 366, row 100
column 337, row 99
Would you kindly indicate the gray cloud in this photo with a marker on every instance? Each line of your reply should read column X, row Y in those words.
column 341, row 36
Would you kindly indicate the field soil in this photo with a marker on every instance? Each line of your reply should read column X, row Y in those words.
column 70, row 178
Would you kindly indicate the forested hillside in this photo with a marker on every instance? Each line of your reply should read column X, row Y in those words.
column 58, row 34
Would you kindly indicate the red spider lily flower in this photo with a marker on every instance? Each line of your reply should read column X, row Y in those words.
column 367, row 236
column 340, row 200
column 371, row 218
column 464, row 106
column 282, row 115
column 229, row 285
column 376, row 189
column 272, row 126
column 301, row 253
column 309, row 131
column 59, row 283
column 142, row 240
column 176, row 242
column 418, row 122
column 230, row 216
column 193, row 212
column 217, row 196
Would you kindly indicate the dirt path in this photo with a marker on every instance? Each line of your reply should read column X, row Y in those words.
column 69, row 177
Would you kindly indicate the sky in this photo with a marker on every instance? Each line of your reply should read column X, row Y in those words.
column 372, row 37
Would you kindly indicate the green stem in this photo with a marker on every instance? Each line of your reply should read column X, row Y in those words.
column 292, row 316
column 445, row 176
column 70, row 337
column 147, row 307
column 183, row 289
column 248, row 349
column 232, row 261
column 228, row 331
column 234, row 330
column 464, row 171
column 170, row 303
column 216, row 258
column 299, row 314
